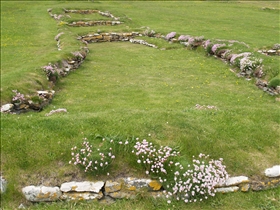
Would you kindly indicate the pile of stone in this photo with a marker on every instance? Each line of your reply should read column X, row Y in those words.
column 274, row 51
column 94, row 23
column 262, row 84
column 108, row 37
column 139, row 41
column 43, row 98
column 107, row 14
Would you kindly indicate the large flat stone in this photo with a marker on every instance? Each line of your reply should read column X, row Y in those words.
column 82, row 186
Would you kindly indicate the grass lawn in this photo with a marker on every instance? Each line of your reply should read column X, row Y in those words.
column 125, row 90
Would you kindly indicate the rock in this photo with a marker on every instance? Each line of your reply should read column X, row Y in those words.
column 6, row 107
column 273, row 172
column 21, row 206
column 155, row 185
column 245, row 187
column 41, row 193
column 3, row 184
column 82, row 186
column 78, row 196
column 111, row 186
column 236, row 180
column 264, row 185
column 123, row 194
column 227, row 189
column 107, row 200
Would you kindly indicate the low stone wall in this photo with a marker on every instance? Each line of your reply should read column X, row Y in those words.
column 129, row 187
column 108, row 37
column 94, row 23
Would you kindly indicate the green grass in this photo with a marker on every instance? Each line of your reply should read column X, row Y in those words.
column 128, row 90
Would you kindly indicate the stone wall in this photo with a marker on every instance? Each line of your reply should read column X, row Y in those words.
column 129, row 187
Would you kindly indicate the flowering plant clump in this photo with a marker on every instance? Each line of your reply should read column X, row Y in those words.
column 184, row 38
column 149, row 32
column 170, row 35
column 235, row 56
column 192, row 184
column 154, row 160
column 215, row 47
column 90, row 158
column 18, row 97
column 49, row 70
column 249, row 64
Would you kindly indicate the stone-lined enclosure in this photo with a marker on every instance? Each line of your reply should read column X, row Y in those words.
column 64, row 67
column 124, row 187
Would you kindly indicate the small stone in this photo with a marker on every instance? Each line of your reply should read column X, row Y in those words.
column 82, row 186
column 41, row 193
column 227, row 189
column 155, row 185
column 3, row 184
column 6, row 107
column 245, row 187
column 273, row 172
column 21, row 206
column 112, row 187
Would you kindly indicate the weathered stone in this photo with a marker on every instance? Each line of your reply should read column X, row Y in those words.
column 236, row 180
column 155, row 185
column 82, row 186
column 245, row 187
column 111, row 186
column 123, row 194
column 273, row 172
column 81, row 196
column 6, row 107
column 133, row 183
column 3, row 184
column 41, row 193
column 264, row 185
column 227, row 189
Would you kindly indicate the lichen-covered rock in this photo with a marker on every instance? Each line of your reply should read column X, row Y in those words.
column 273, row 171
column 82, row 186
column 79, row 196
column 41, row 193
column 265, row 185
column 245, row 187
column 111, row 186
column 123, row 194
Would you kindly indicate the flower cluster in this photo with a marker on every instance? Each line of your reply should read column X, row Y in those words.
column 89, row 160
column 49, row 70
column 149, row 32
column 249, row 64
column 197, row 182
column 184, row 38
column 154, row 160
column 235, row 56
column 170, row 35
column 78, row 55
column 215, row 47
column 18, row 98
column 194, row 181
